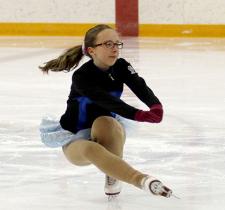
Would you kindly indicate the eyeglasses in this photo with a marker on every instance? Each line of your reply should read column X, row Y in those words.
column 110, row 44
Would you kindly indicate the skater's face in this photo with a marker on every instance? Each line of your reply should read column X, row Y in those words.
column 106, row 49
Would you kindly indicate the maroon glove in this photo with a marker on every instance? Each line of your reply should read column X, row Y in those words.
column 153, row 116
column 157, row 109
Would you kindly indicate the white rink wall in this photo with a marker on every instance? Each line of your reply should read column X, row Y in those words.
column 96, row 11
column 182, row 11
column 58, row 11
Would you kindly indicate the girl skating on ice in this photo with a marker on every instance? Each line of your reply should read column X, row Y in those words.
column 91, row 130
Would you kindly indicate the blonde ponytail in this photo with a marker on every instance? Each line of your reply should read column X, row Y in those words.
column 65, row 62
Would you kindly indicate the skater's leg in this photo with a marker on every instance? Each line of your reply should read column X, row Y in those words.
column 83, row 152
column 75, row 152
column 105, row 153
column 108, row 132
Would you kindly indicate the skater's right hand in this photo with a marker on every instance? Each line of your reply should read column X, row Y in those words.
column 155, row 114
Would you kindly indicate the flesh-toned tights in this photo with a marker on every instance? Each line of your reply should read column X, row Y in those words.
column 105, row 151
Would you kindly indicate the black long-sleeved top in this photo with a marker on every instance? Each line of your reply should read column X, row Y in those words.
column 95, row 93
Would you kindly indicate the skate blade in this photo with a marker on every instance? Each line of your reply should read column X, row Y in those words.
column 169, row 193
column 112, row 197
column 176, row 197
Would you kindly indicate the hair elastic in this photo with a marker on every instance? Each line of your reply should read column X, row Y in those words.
column 84, row 50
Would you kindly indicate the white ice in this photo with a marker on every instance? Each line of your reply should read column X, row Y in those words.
column 186, row 151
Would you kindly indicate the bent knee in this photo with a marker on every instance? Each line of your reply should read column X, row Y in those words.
column 107, row 124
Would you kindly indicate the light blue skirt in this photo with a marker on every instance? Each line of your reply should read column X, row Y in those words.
column 53, row 135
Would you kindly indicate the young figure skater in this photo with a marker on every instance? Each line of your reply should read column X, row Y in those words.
column 90, row 131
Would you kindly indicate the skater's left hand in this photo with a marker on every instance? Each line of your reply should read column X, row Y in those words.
column 157, row 109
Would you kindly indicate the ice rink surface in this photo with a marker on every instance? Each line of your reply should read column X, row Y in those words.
column 186, row 151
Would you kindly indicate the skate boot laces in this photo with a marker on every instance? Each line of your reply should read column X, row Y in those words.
column 110, row 180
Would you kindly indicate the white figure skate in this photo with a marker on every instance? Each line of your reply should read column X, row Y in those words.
column 112, row 186
column 151, row 184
